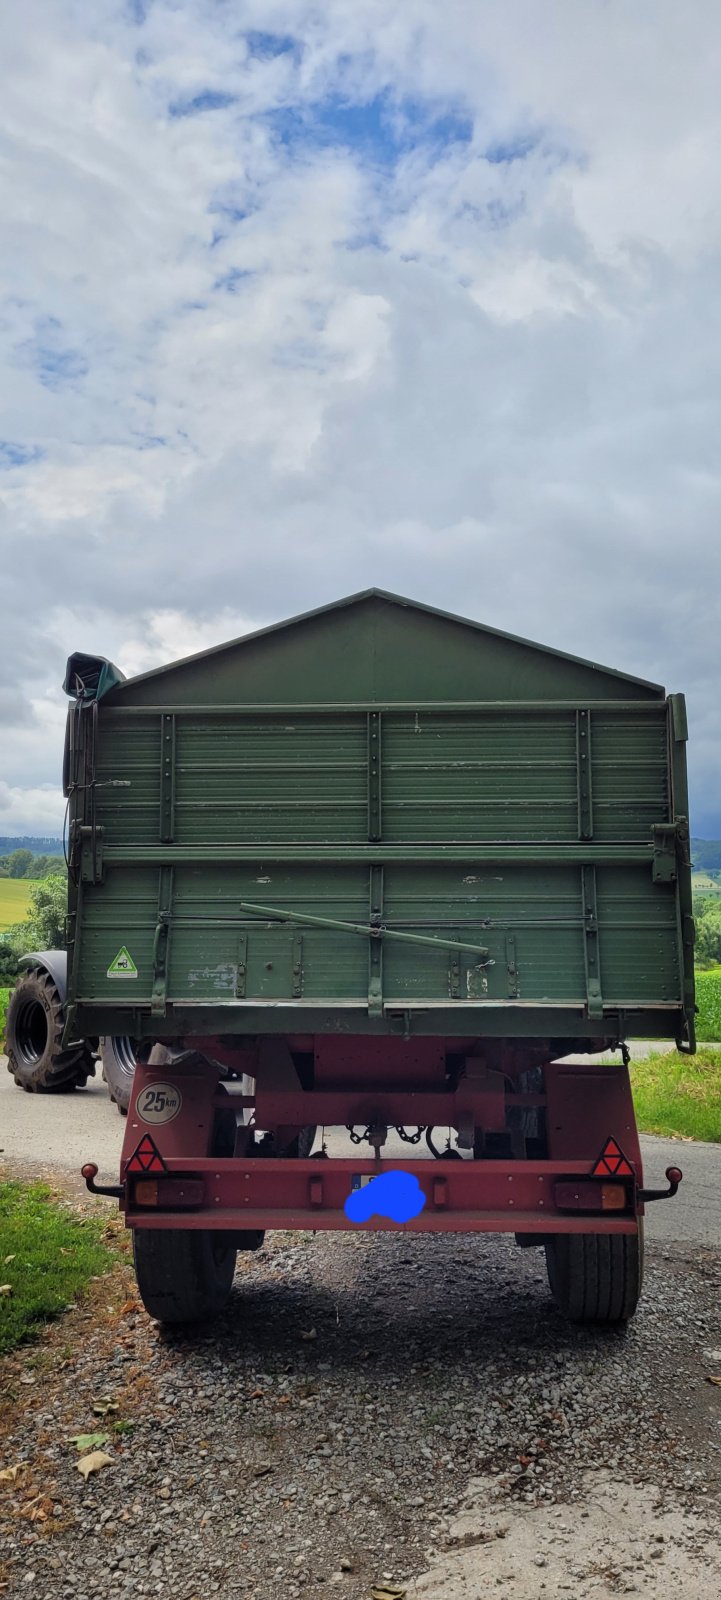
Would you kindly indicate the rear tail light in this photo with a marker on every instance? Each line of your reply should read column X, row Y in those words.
column 168, row 1194
column 587, row 1195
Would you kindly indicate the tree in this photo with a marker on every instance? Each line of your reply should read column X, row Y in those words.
column 45, row 925
column 19, row 862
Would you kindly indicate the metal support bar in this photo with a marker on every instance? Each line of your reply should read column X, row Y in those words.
column 374, row 775
column 242, row 972
column 167, row 776
column 297, row 983
column 161, row 942
column 304, row 918
column 270, row 850
column 583, row 759
column 591, row 951
column 375, row 944
column 454, row 975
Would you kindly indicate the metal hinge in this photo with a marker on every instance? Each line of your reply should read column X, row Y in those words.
column 91, row 854
column 670, row 846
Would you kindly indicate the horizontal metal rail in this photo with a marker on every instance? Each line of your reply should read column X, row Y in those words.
column 555, row 854
column 657, row 705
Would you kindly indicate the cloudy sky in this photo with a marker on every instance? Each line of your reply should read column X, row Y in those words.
column 301, row 296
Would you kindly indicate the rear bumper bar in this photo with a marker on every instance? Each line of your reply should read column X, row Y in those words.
column 460, row 1197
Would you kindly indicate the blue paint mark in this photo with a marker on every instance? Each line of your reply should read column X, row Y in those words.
column 395, row 1195
column 207, row 100
column 18, row 455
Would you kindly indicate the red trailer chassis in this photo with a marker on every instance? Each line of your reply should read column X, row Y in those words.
column 171, row 1176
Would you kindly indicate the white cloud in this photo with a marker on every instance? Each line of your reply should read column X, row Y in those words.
column 264, row 354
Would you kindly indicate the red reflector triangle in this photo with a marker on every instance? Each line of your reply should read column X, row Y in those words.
column 145, row 1157
column 612, row 1162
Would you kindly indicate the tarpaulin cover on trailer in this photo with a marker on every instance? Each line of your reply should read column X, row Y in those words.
column 90, row 677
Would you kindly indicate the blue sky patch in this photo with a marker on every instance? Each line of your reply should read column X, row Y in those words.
column 231, row 279
column 381, row 129
column 18, row 455
column 56, row 364
column 395, row 1195
column 267, row 45
column 514, row 149
column 207, row 100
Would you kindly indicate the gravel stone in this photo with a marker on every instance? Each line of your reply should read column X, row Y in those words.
column 262, row 1463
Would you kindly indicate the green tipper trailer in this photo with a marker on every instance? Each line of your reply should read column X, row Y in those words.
column 384, row 866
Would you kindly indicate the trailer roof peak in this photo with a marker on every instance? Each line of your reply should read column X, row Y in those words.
column 365, row 597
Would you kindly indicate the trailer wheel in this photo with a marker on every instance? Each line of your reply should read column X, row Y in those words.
column 117, row 1054
column 596, row 1277
column 34, row 1030
column 183, row 1275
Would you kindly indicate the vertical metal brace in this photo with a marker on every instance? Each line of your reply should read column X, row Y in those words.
column 594, row 997
column 374, row 775
column 375, row 945
column 297, row 985
column 511, row 966
column 167, row 777
column 454, row 972
column 583, row 763
column 161, row 942
column 242, row 972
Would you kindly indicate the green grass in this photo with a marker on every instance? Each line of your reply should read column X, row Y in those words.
column 708, row 1000
column 54, row 1254
column 681, row 1095
column 4, row 997
column 14, row 901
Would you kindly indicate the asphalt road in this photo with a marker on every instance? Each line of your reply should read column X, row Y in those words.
column 61, row 1132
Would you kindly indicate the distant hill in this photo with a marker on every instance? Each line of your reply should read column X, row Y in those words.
column 706, row 854
column 39, row 847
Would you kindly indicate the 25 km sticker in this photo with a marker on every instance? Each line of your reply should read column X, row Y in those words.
column 159, row 1103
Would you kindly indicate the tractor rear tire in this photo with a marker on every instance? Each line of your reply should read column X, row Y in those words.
column 183, row 1275
column 34, row 1030
column 117, row 1054
column 596, row 1277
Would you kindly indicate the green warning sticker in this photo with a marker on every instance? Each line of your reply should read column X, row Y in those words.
column 123, row 966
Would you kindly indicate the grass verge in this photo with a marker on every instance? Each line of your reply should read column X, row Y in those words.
column 4, row 997
column 679, row 1095
column 708, row 1000
column 47, row 1256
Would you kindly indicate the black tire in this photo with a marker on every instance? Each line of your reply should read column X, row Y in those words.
column 596, row 1277
column 117, row 1054
column 34, row 1030
column 183, row 1275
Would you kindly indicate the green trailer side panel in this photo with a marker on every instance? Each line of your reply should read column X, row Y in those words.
column 379, row 810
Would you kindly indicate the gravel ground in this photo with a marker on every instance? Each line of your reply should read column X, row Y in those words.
column 359, row 1392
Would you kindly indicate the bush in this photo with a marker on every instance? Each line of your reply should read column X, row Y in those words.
column 13, row 943
column 45, row 926
column 708, row 1000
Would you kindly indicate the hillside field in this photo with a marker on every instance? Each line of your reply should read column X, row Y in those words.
column 14, row 901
